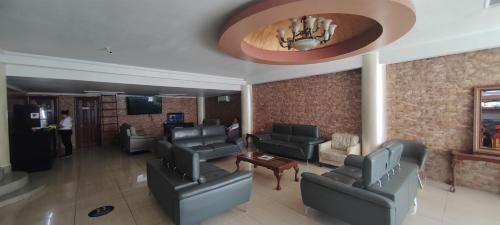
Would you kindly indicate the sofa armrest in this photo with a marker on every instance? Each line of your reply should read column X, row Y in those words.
column 354, row 192
column 354, row 160
column 262, row 137
column 215, row 184
column 315, row 142
column 325, row 146
column 142, row 137
column 354, row 150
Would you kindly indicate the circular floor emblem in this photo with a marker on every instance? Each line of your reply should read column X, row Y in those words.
column 101, row 211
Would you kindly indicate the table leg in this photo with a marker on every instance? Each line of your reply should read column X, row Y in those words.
column 278, row 175
column 246, row 140
column 237, row 164
column 296, row 168
column 454, row 163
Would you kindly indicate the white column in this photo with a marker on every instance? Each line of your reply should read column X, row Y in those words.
column 246, row 110
column 200, row 100
column 4, row 127
column 373, row 120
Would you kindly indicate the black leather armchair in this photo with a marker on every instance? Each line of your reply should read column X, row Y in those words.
column 191, row 191
column 414, row 152
column 291, row 140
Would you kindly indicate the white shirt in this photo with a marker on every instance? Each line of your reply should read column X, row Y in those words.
column 234, row 126
column 66, row 124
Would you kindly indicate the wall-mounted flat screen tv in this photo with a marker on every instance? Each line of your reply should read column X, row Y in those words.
column 175, row 117
column 137, row 105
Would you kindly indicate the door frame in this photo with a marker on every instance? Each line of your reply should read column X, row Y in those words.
column 98, row 119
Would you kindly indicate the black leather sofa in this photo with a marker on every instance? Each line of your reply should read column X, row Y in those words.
column 209, row 141
column 191, row 191
column 377, row 189
column 291, row 140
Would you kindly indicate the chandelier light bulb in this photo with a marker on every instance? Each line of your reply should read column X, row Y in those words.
column 310, row 22
column 326, row 36
column 331, row 29
column 281, row 32
column 327, row 23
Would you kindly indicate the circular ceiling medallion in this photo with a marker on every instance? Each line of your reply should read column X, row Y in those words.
column 363, row 26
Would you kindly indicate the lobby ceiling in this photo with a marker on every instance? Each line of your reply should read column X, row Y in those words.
column 183, row 35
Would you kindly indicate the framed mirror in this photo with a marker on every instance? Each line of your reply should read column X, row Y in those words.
column 487, row 120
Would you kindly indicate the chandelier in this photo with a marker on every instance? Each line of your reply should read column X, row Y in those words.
column 307, row 33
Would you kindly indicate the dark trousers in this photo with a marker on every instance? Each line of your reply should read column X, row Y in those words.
column 66, row 140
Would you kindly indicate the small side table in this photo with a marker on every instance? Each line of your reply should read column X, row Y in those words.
column 457, row 156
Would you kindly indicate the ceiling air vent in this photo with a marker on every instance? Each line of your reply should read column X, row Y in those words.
column 491, row 3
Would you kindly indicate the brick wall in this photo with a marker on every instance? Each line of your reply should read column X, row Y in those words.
column 150, row 124
column 224, row 111
column 431, row 101
column 331, row 101
column 153, row 124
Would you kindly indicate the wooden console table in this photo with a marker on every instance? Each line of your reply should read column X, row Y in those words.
column 457, row 156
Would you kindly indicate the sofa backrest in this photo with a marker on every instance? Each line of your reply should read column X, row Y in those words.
column 213, row 134
column 285, row 132
column 281, row 128
column 305, row 130
column 164, row 151
column 395, row 151
column 180, row 133
column 344, row 140
column 375, row 166
column 187, row 163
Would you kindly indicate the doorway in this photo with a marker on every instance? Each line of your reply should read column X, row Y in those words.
column 87, row 122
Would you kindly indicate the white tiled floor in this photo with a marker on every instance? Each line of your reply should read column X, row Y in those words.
column 106, row 176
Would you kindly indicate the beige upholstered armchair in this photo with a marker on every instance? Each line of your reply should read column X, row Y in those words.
column 335, row 151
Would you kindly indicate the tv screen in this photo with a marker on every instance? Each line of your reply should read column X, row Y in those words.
column 137, row 105
column 175, row 117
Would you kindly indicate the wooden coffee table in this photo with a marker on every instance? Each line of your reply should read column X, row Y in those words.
column 278, row 164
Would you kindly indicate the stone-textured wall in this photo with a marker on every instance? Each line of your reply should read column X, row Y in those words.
column 331, row 101
column 431, row 101
column 153, row 124
column 224, row 111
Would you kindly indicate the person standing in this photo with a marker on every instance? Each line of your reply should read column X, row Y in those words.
column 66, row 130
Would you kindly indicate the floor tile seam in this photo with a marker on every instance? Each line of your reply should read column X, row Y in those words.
column 125, row 200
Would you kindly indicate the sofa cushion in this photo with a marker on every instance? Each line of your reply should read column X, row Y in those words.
column 333, row 155
column 176, row 181
column 187, row 163
column 343, row 141
column 282, row 144
column 188, row 143
column 224, row 148
column 185, row 133
column 305, row 130
column 216, row 130
column 339, row 178
column 301, row 139
column 375, row 166
column 350, row 171
column 280, row 128
column 133, row 131
column 280, row 137
column 214, row 139
column 211, row 172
